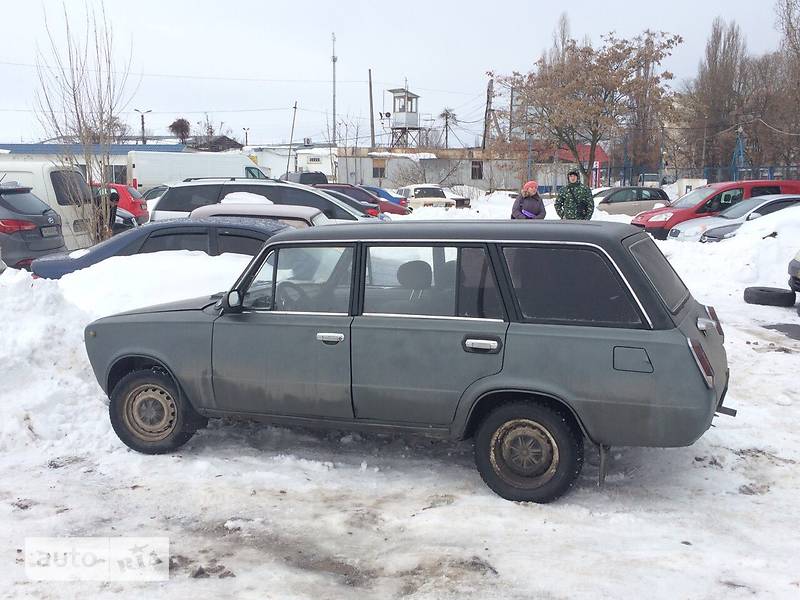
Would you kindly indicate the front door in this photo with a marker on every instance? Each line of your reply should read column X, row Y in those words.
column 288, row 351
column 432, row 324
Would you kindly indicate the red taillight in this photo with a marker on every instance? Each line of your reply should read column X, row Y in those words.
column 403, row 202
column 706, row 370
column 14, row 225
column 713, row 315
column 373, row 212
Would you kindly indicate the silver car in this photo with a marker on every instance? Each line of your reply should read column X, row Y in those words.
column 725, row 224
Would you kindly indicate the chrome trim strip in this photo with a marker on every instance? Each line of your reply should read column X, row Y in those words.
column 296, row 312
column 445, row 242
column 430, row 317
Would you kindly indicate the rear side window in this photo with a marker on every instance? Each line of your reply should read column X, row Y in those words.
column 763, row 190
column 429, row 193
column 187, row 198
column 779, row 205
column 294, row 196
column 176, row 241
column 660, row 273
column 238, row 243
column 70, row 188
column 569, row 285
column 24, row 203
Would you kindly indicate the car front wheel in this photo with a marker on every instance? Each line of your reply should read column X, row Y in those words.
column 528, row 452
column 150, row 415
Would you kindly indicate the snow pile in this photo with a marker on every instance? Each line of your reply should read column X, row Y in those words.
column 244, row 198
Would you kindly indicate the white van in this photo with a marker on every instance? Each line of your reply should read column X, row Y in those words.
column 149, row 169
column 63, row 188
column 648, row 180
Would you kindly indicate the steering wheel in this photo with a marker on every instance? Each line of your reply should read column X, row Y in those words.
column 289, row 296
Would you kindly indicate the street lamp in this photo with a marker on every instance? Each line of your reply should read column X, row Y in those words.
column 246, row 131
column 143, row 113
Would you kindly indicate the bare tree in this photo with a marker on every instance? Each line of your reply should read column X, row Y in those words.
column 82, row 92
column 579, row 95
column 788, row 13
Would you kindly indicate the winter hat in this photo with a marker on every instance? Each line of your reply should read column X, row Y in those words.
column 530, row 186
column 574, row 172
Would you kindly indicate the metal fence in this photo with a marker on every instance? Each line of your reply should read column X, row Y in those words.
column 609, row 176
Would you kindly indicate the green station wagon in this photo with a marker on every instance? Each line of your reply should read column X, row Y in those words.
column 533, row 339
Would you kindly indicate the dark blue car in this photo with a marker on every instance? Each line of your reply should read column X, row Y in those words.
column 214, row 235
column 386, row 195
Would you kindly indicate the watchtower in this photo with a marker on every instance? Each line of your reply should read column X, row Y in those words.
column 405, row 118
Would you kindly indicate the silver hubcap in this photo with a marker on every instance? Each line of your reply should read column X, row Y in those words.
column 150, row 413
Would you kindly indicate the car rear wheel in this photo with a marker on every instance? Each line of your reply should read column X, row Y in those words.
column 528, row 452
column 150, row 415
column 768, row 296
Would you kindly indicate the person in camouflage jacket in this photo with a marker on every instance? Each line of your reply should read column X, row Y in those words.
column 575, row 200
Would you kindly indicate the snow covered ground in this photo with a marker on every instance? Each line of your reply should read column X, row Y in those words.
column 326, row 514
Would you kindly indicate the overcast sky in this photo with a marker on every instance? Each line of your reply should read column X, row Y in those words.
column 235, row 58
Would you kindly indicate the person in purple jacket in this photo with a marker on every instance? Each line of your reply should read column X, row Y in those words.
column 528, row 205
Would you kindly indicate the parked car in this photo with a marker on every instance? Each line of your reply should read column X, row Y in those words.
column 62, row 188
column 183, row 197
column 707, row 201
column 29, row 228
column 648, row 180
column 386, row 195
column 630, row 200
column 727, row 222
column 498, row 339
column 427, row 194
column 461, row 201
column 306, row 178
column 129, row 199
column 367, row 209
column 365, row 196
column 213, row 236
column 298, row 217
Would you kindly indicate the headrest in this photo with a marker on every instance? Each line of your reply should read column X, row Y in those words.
column 415, row 275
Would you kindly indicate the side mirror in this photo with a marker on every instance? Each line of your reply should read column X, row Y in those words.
column 232, row 302
column 753, row 216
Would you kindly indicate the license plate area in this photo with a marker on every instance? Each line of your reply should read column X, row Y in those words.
column 50, row 231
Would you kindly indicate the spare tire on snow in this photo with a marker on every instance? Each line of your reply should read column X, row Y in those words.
column 768, row 296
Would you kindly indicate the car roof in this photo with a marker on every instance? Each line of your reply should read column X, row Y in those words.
column 263, row 210
column 481, row 230
column 720, row 184
column 244, row 222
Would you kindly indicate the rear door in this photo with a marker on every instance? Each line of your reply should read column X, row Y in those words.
column 649, row 197
column 621, row 202
column 431, row 323
column 178, row 238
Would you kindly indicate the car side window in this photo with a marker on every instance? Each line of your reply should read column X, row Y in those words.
column 259, row 292
column 239, row 243
column 160, row 242
column 569, row 285
column 270, row 192
column 778, row 205
column 314, row 279
column 431, row 281
column 764, row 190
column 254, row 173
column 649, row 194
column 187, row 198
column 623, row 196
column 723, row 200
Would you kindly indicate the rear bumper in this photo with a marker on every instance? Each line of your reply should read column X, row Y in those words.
column 14, row 250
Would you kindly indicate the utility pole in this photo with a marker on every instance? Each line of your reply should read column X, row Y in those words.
column 333, row 62
column 291, row 138
column 446, row 127
column 246, row 131
column 143, row 113
column 371, row 114
column 489, row 90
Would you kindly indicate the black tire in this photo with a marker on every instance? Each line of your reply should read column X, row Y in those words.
column 508, row 441
column 768, row 296
column 149, row 413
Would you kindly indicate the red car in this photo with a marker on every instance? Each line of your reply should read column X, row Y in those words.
column 129, row 199
column 363, row 195
column 708, row 200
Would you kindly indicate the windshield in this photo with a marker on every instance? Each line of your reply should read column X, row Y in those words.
column 603, row 193
column 70, row 188
column 693, row 198
column 427, row 192
column 134, row 193
column 740, row 209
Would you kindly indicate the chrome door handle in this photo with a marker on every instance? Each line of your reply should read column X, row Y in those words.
column 330, row 338
column 474, row 344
